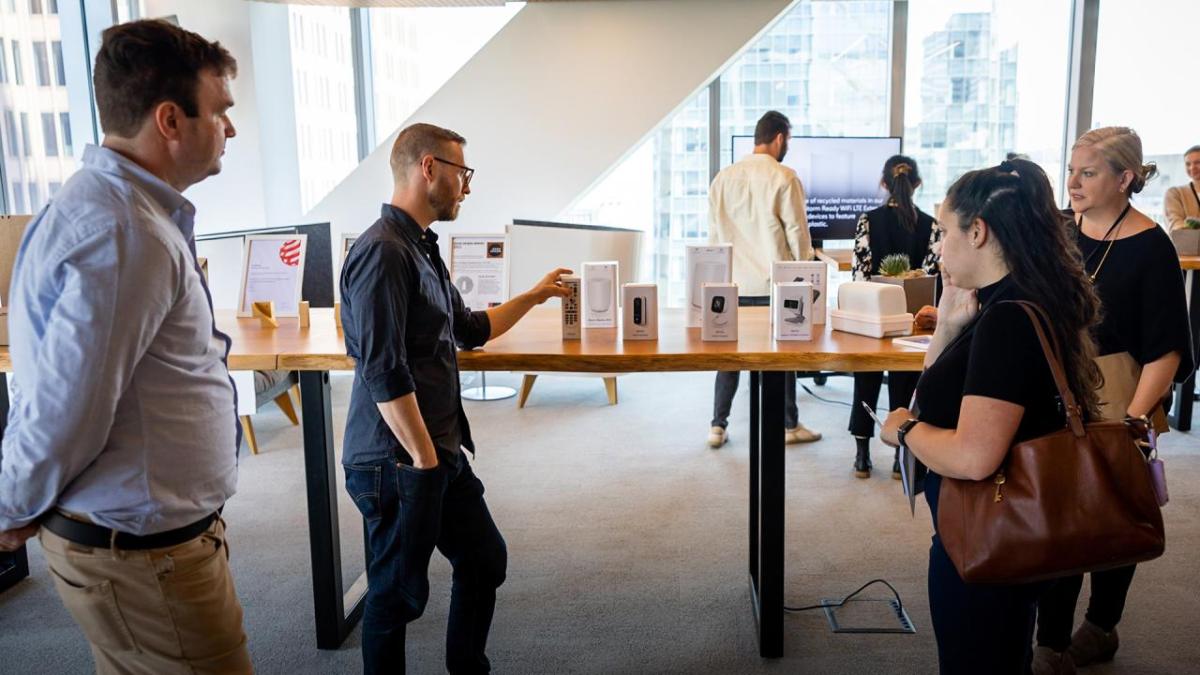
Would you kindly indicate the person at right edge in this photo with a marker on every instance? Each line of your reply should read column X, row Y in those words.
column 988, row 385
column 757, row 204
column 1183, row 201
column 405, row 428
column 1145, row 344
column 897, row 227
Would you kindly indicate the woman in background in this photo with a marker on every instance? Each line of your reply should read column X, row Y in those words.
column 1183, row 201
column 896, row 227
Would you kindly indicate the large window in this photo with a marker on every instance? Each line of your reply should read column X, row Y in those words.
column 984, row 79
column 414, row 51
column 823, row 64
column 323, row 86
column 37, row 157
column 1151, row 98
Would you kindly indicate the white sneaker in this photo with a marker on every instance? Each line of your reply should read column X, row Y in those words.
column 800, row 434
column 717, row 437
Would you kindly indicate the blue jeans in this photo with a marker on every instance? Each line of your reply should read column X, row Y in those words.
column 409, row 512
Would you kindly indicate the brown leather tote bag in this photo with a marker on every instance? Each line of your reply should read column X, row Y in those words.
column 1077, row 500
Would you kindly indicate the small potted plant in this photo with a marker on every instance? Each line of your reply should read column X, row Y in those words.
column 1187, row 238
column 919, row 287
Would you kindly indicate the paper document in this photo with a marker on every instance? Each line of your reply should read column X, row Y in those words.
column 272, row 270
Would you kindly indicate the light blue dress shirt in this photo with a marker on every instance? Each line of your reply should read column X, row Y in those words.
column 122, row 408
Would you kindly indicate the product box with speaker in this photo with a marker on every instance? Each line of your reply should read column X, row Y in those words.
column 720, row 321
column 639, row 311
column 599, row 294
column 705, row 265
column 812, row 272
column 570, row 308
column 792, row 308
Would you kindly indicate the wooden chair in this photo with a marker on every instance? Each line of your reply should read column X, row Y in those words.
column 277, row 386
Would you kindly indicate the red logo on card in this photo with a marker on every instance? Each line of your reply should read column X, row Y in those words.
column 289, row 253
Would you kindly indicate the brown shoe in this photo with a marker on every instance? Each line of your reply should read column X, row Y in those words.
column 1046, row 661
column 1090, row 644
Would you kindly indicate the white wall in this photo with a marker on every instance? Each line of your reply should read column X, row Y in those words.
column 235, row 199
column 557, row 97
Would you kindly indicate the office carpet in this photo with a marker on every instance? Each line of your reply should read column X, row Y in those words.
column 627, row 547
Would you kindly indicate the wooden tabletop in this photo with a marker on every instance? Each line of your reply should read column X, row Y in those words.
column 843, row 258
column 1189, row 262
column 536, row 343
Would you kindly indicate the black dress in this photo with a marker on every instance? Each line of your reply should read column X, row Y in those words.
column 986, row 628
column 880, row 234
column 1144, row 312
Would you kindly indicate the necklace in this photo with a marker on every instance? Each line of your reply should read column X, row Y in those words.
column 1113, row 231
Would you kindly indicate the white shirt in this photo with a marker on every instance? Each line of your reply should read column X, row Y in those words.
column 757, row 204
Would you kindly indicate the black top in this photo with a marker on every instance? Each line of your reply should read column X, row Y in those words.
column 998, row 356
column 1142, row 299
column 402, row 319
column 879, row 234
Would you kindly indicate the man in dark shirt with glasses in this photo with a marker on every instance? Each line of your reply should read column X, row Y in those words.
column 405, row 430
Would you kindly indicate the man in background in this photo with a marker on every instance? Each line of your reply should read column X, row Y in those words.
column 757, row 204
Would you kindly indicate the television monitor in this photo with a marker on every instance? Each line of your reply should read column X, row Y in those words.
column 840, row 177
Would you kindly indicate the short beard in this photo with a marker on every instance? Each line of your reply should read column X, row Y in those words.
column 445, row 208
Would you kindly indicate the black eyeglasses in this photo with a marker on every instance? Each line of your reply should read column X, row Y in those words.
column 465, row 172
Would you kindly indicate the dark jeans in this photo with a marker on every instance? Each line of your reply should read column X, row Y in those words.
column 408, row 512
column 726, row 386
column 980, row 628
column 1056, row 607
column 901, row 386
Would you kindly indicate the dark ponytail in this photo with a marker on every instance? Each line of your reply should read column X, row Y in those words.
column 1017, row 203
column 901, row 179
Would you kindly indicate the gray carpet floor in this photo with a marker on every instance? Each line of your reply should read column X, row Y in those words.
column 627, row 545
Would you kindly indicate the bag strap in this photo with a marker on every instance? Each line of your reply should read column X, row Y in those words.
column 1050, row 348
column 1191, row 185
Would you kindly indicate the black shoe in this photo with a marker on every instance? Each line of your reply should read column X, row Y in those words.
column 896, row 466
column 862, row 459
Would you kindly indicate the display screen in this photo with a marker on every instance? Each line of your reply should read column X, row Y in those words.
column 840, row 177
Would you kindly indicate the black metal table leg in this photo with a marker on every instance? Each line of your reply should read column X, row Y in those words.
column 1181, row 411
column 755, row 384
column 13, row 566
column 334, row 620
column 767, row 501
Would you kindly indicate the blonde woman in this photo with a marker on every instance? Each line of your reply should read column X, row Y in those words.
column 1144, row 344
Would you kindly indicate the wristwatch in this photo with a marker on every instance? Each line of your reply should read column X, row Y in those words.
column 905, row 427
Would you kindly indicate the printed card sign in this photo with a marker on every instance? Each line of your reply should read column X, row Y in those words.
column 273, row 271
column 479, row 269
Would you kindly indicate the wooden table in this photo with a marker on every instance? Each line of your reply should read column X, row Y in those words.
column 842, row 258
column 536, row 344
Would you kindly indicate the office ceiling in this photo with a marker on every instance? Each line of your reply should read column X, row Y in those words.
column 402, row 3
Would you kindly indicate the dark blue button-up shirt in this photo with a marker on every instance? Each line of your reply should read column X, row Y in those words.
column 403, row 321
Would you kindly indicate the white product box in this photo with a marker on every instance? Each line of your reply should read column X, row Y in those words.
column 705, row 265
column 871, row 309
column 813, row 272
column 570, row 308
column 791, row 305
column 599, row 292
column 639, row 307
column 720, row 312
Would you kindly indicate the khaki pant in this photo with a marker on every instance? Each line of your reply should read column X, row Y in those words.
column 160, row 611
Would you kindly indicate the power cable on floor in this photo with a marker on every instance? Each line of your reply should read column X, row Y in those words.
column 843, row 601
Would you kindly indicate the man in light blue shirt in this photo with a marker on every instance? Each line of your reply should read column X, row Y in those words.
column 122, row 433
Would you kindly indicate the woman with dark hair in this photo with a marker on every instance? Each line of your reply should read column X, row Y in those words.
column 987, row 383
column 1144, row 343
column 896, row 227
